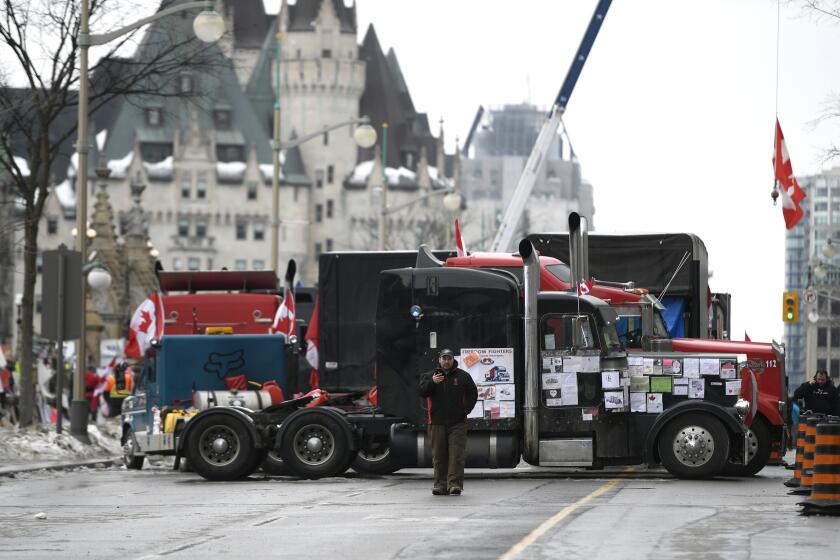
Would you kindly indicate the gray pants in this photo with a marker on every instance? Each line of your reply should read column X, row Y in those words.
column 449, row 444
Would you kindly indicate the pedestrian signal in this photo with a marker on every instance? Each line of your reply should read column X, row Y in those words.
column 790, row 307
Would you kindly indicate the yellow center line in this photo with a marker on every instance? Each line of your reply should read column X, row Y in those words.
column 554, row 520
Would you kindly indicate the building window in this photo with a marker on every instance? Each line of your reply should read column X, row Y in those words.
column 153, row 116
column 259, row 231
column 329, row 244
column 241, row 230
column 329, row 209
column 185, row 83
column 193, row 263
column 177, row 263
column 201, row 185
column 252, row 190
column 326, row 53
column 221, row 119
column 319, row 213
column 201, row 229
column 317, row 249
column 259, row 264
column 240, row 264
column 822, row 337
column 183, row 227
column 52, row 225
column 330, row 174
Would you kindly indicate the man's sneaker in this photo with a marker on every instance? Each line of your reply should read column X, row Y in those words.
column 455, row 491
column 441, row 490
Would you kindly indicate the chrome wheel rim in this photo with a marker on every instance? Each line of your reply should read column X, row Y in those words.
column 219, row 445
column 314, row 444
column 693, row 446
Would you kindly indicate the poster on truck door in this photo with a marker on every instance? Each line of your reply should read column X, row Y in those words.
column 492, row 371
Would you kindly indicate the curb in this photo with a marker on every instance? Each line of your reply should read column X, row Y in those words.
column 58, row 466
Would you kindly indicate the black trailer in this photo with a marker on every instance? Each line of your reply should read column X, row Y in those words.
column 557, row 388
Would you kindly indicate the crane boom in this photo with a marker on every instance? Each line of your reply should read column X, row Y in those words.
column 513, row 213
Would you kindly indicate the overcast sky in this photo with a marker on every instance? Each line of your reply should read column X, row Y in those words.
column 672, row 118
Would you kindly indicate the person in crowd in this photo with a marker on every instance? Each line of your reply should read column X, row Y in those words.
column 450, row 395
column 819, row 394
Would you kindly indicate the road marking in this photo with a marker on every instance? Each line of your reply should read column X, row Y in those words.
column 554, row 520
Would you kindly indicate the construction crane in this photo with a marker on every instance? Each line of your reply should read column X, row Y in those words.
column 513, row 213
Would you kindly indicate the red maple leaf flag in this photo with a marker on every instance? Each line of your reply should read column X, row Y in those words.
column 584, row 287
column 459, row 241
column 284, row 319
column 146, row 324
column 792, row 194
column 312, row 348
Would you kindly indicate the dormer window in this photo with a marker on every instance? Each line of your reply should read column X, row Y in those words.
column 185, row 84
column 221, row 119
column 153, row 116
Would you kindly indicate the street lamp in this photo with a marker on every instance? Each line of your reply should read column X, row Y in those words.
column 208, row 26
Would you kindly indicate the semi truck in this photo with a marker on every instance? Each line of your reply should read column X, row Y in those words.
column 564, row 392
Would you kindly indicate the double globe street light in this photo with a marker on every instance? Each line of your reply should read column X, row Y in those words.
column 209, row 27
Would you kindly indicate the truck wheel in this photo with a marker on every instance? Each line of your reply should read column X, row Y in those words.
column 694, row 445
column 273, row 465
column 375, row 461
column 315, row 446
column 759, row 451
column 131, row 459
column 221, row 448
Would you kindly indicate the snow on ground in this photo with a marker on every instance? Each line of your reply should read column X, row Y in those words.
column 40, row 443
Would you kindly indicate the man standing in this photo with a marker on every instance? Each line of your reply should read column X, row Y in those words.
column 450, row 396
column 819, row 394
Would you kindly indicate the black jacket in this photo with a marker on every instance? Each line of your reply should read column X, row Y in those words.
column 450, row 401
column 818, row 398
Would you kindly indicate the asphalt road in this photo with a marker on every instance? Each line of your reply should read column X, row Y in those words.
column 519, row 513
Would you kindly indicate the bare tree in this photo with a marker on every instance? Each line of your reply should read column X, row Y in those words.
column 40, row 41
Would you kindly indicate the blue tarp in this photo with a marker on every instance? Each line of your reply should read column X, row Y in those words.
column 673, row 315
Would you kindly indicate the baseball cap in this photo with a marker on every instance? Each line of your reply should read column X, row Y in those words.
column 446, row 352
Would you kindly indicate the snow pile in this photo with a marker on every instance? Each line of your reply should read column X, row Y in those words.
column 40, row 443
column 119, row 167
column 230, row 171
column 161, row 171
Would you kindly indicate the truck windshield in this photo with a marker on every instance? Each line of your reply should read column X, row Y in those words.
column 560, row 271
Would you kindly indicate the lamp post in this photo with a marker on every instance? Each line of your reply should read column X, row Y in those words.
column 208, row 27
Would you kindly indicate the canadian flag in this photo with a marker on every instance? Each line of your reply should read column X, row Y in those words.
column 584, row 287
column 284, row 319
column 312, row 348
column 459, row 241
column 792, row 193
column 146, row 324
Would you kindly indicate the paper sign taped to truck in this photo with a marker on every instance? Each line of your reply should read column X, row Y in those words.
column 492, row 371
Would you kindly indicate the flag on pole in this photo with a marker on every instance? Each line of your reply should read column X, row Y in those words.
column 459, row 241
column 312, row 348
column 584, row 287
column 146, row 324
column 789, row 189
column 284, row 319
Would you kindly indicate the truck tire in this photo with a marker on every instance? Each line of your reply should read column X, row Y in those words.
column 694, row 445
column 315, row 446
column 759, row 451
column 221, row 448
column 273, row 465
column 131, row 459
column 374, row 461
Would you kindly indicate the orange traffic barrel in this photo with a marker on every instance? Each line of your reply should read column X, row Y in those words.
column 800, row 450
column 807, row 477
column 825, row 490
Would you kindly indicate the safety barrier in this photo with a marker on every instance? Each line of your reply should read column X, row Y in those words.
column 807, row 478
column 825, row 489
column 795, row 481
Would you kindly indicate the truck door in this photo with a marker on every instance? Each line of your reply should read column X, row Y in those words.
column 576, row 427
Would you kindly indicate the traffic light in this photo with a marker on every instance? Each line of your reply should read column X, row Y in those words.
column 790, row 307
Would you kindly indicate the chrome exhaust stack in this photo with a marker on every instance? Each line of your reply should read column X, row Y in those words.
column 531, row 452
column 578, row 248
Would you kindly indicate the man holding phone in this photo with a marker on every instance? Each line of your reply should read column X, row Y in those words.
column 450, row 396
column 819, row 394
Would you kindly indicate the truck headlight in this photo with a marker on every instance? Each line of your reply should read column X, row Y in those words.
column 742, row 407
